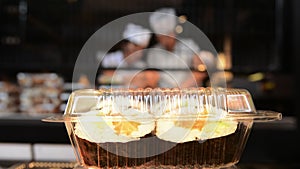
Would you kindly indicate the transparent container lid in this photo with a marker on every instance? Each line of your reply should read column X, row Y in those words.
column 168, row 103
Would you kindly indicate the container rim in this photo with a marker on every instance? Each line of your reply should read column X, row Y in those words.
column 259, row 116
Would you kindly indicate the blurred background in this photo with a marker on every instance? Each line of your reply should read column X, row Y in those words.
column 258, row 41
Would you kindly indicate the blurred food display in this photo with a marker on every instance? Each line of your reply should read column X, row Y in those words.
column 40, row 92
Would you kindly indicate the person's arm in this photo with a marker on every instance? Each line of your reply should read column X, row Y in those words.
column 195, row 78
column 143, row 79
column 198, row 74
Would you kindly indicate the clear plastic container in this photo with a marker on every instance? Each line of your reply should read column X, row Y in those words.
column 184, row 128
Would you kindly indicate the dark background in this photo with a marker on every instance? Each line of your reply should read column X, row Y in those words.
column 34, row 33
column 46, row 36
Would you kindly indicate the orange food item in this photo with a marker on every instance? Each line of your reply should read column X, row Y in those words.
column 197, row 124
column 125, row 127
column 192, row 124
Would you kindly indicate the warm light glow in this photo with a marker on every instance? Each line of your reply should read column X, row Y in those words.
column 269, row 86
column 30, row 165
column 179, row 29
column 201, row 67
column 256, row 77
column 182, row 19
column 227, row 52
column 221, row 61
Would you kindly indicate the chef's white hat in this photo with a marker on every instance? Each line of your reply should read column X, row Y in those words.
column 163, row 21
column 137, row 34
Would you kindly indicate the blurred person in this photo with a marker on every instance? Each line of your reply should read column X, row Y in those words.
column 172, row 52
column 136, row 39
